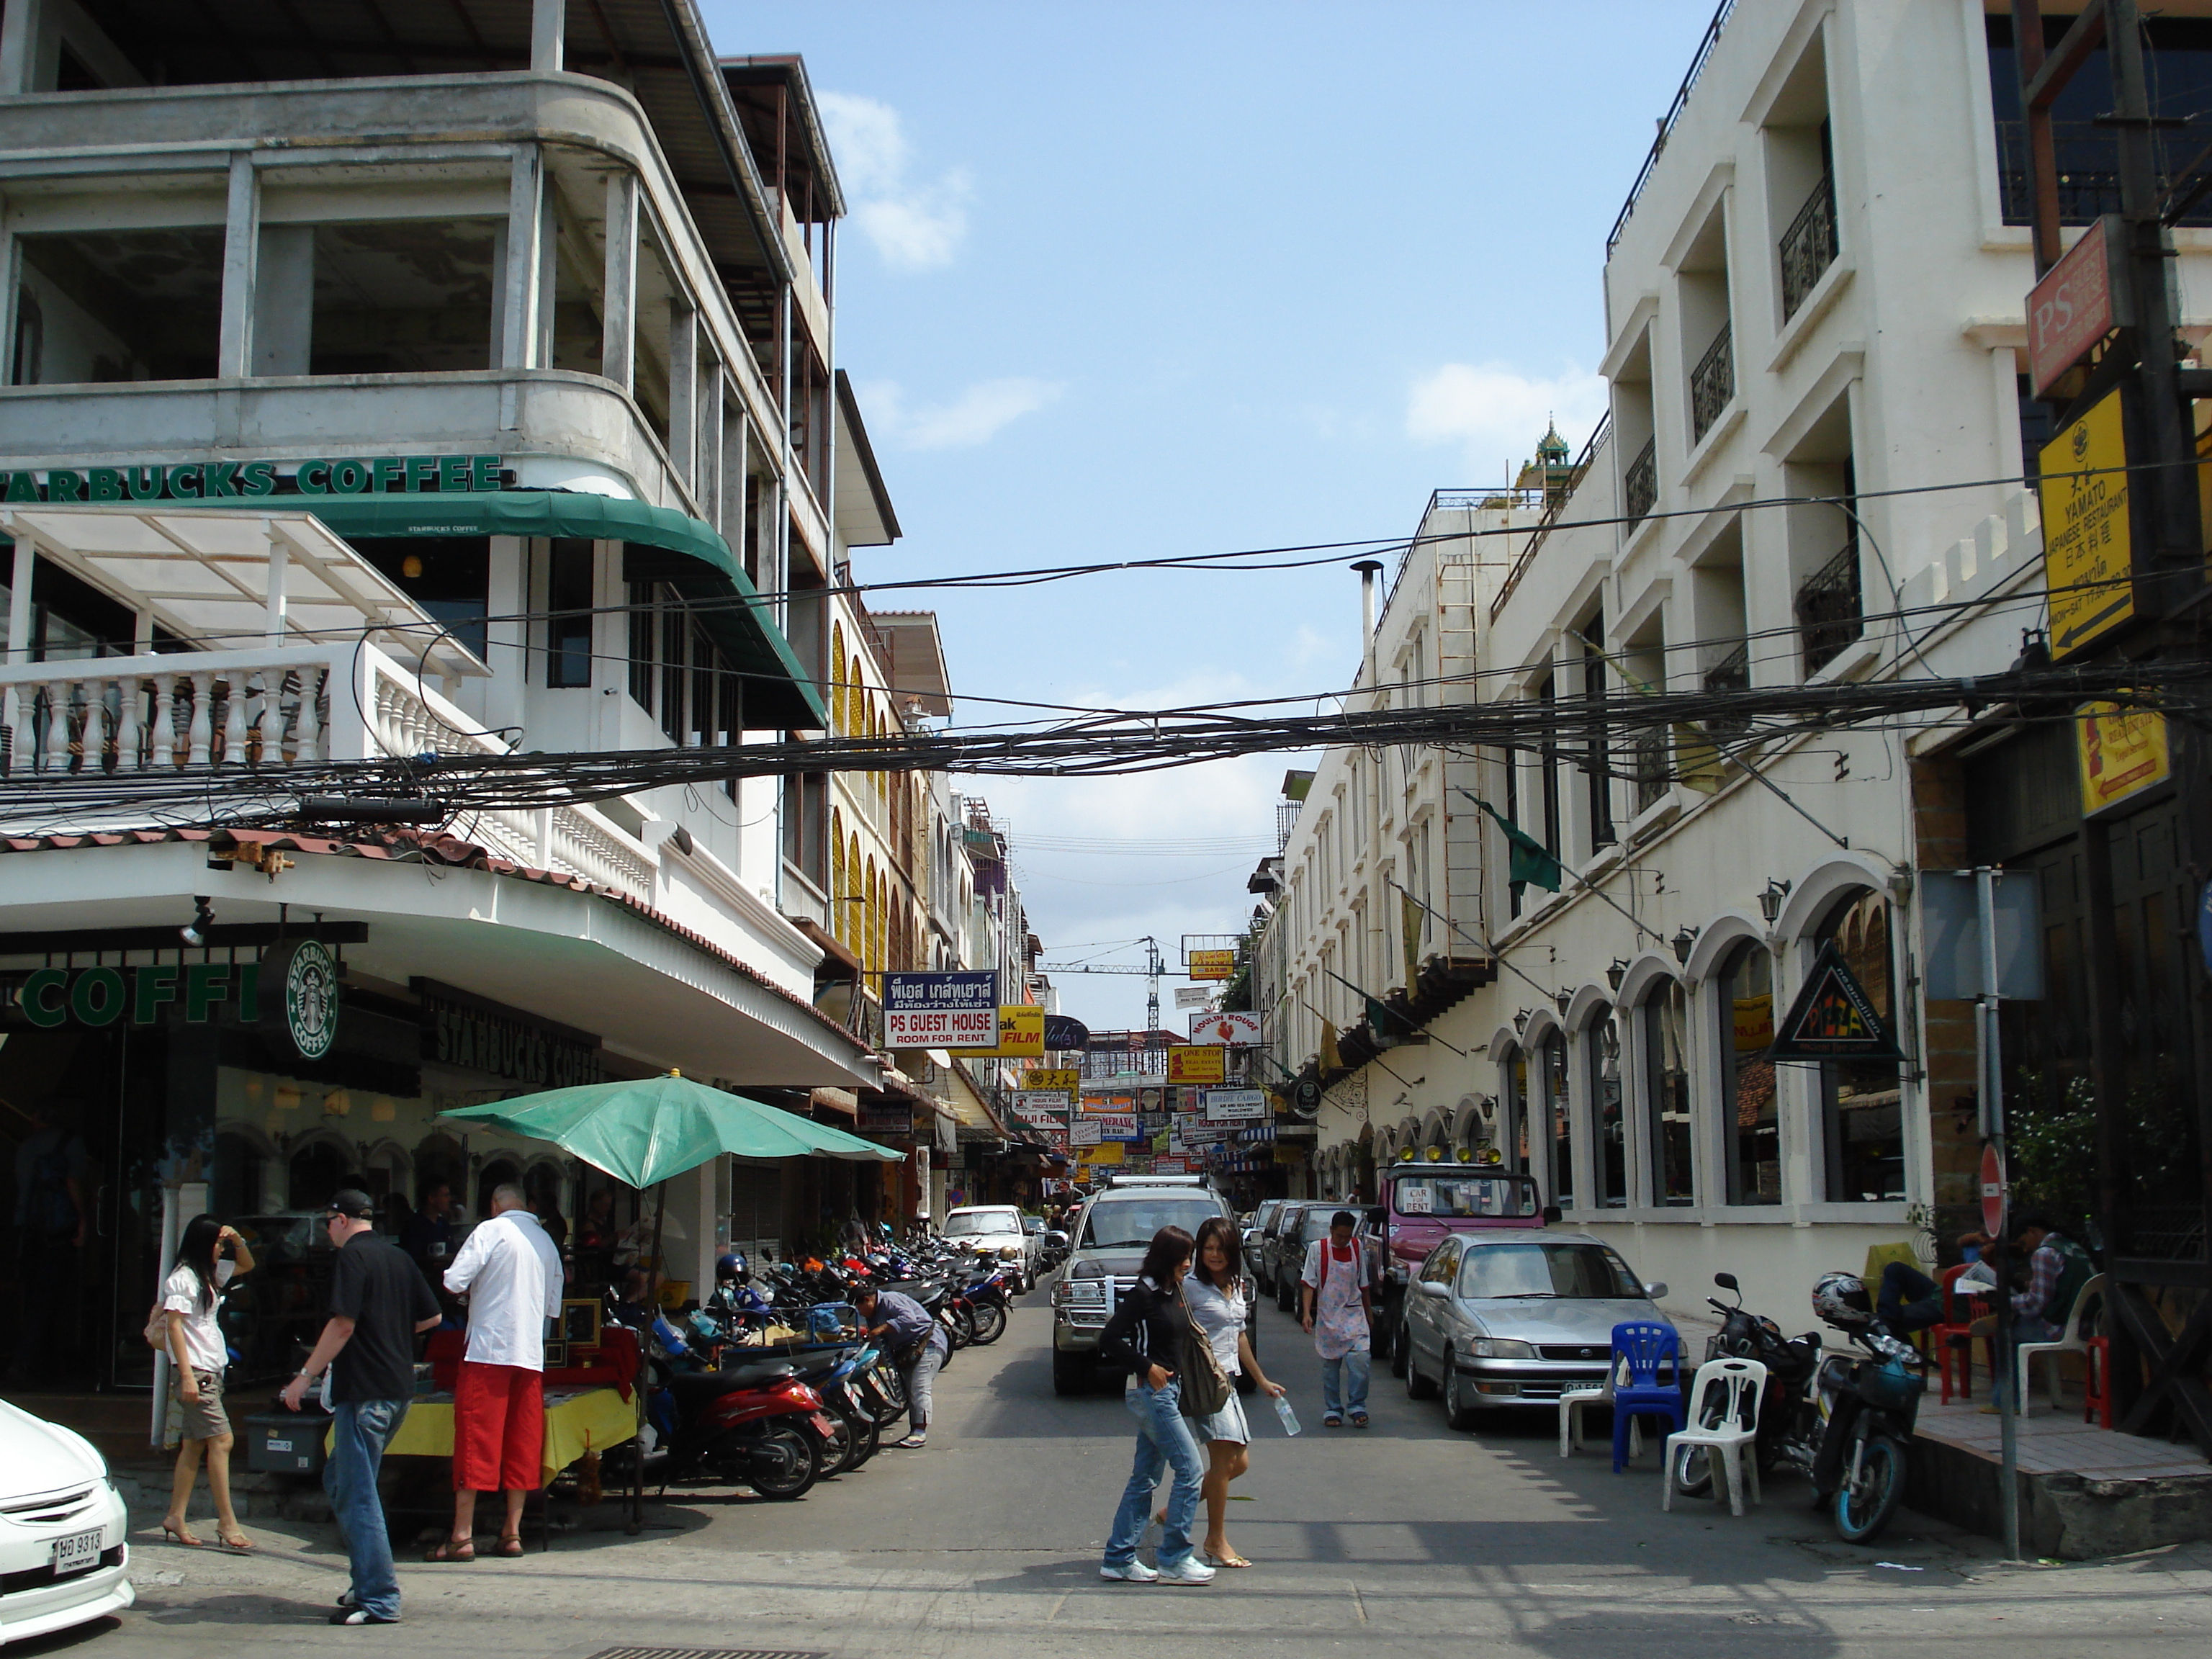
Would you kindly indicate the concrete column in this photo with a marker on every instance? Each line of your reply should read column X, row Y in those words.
column 509, row 662
column 707, row 437
column 280, row 561
column 23, row 32
column 548, row 28
column 522, row 259
column 684, row 393
column 19, row 599
column 284, row 300
column 609, row 645
column 619, row 310
column 241, row 252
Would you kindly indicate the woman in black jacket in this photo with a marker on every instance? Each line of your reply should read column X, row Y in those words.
column 1146, row 1334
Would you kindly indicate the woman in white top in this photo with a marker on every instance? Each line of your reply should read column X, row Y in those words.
column 208, row 1256
column 1213, row 1293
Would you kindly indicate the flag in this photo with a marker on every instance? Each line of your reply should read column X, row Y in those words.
column 1531, row 861
column 1330, row 1061
column 1410, row 921
column 1373, row 1009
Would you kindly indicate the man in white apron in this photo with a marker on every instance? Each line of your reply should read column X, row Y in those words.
column 1333, row 1288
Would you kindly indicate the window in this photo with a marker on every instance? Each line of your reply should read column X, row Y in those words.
column 1574, row 1272
column 1557, row 1126
column 1516, row 1106
column 1548, row 694
column 112, row 305
column 1862, row 1108
column 449, row 576
column 1597, row 771
column 1747, row 1098
column 569, row 627
column 1666, row 1021
column 1601, row 1066
column 678, row 674
column 406, row 296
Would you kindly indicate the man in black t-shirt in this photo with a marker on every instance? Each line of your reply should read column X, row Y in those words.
column 379, row 1301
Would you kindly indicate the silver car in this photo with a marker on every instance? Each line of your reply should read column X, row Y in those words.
column 1513, row 1317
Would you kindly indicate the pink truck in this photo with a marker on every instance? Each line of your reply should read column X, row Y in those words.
column 1421, row 1204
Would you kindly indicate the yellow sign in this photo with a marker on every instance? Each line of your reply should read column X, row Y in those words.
column 1213, row 965
column 1201, row 1064
column 1056, row 1079
column 1021, row 1036
column 2122, row 750
column 2088, row 553
column 1106, row 1151
column 1754, row 1023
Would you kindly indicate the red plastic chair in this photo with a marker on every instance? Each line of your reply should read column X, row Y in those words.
column 2097, row 1381
column 1958, row 1315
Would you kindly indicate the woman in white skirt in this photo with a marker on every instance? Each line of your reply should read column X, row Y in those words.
column 1214, row 1294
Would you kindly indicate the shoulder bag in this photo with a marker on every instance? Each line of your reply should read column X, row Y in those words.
column 1205, row 1386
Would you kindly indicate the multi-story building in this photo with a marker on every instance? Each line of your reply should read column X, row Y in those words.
column 460, row 379
column 1815, row 469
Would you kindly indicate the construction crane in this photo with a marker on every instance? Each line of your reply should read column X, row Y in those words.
column 1153, row 968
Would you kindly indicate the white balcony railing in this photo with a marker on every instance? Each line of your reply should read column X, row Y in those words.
column 278, row 708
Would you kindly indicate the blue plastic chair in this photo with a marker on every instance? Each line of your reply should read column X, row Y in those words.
column 1644, row 1350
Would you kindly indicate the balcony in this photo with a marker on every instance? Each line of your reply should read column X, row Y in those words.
column 1712, row 384
column 1647, row 768
column 1640, row 484
column 1809, row 246
column 1731, row 673
column 1827, row 607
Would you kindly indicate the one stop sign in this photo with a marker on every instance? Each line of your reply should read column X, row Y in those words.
column 1993, row 1193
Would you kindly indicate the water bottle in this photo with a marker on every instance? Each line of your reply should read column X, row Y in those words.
column 1289, row 1419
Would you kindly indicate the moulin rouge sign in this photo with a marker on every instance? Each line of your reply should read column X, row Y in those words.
column 207, row 481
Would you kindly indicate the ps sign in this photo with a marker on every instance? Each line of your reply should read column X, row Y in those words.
column 941, row 1010
column 2078, row 302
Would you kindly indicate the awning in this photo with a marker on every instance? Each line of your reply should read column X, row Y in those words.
column 665, row 545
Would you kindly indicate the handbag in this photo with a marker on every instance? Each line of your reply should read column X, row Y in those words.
column 1205, row 1386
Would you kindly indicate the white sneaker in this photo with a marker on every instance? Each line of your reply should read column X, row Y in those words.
column 1135, row 1573
column 1191, row 1572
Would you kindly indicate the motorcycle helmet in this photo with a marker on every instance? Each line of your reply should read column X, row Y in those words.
column 1841, row 1299
column 731, row 1265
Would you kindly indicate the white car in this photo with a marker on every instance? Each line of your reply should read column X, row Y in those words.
column 996, row 1229
column 63, row 1558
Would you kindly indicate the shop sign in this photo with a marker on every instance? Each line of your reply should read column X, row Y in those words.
column 1237, row 1031
column 2124, row 751
column 474, row 1034
column 1753, row 1022
column 1289, row 1154
column 1053, row 1077
column 304, row 975
column 1203, row 1135
column 1116, row 1126
column 1040, row 1108
column 1236, row 1105
column 1108, row 1152
column 941, row 1010
column 2072, row 309
column 1213, row 965
column 50, row 997
column 1021, row 1034
column 1834, row 1017
column 884, row 1116
column 2088, row 559
column 1109, row 1102
column 1085, row 1132
column 211, row 480
column 1171, row 1166
column 1199, row 1064
column 1192, row 996
column 1062, row 1033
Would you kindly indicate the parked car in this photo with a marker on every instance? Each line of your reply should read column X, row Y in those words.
column 1271, row 1246
column 1117, row 1224
column 1254, row 1231
column 63, row 1559
column 1422, row 1203
column 1292, row 1235
column 996, row 1229
column 1510, row 1318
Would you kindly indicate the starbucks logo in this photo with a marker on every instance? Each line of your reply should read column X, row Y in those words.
column 306, row 976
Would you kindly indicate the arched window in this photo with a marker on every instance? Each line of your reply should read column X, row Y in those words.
column 838, row 714
column 1861, row 1103
column 1601, row 1062
column 836, row 872
column 1556, row 1128
column 1513, row 1129
column 852, row 921
column 1666, row 1021
column 1746, row 1013
column 498, row 1172
column 316, row 1171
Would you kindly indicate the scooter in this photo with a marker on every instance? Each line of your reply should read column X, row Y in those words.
column 757, row 1425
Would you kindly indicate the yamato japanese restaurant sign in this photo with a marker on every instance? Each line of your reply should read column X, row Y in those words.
column 941, row 1010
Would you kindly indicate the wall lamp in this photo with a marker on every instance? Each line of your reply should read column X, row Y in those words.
column 1565, row 999
column 1521, row 1021
column 1617, row 972
column 1770, row 898
column 1685, row 942
column 195, row 931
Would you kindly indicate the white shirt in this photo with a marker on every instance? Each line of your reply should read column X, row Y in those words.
column 512, row 1276
column 204, row 1348
column 1220, row 1316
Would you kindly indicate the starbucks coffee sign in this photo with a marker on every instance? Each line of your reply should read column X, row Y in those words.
column 205, row 481
column 291, row 995
column 300, row 977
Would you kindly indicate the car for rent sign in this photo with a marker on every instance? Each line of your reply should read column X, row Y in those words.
column 941, row 1010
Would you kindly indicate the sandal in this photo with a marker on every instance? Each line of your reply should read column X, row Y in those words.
column 1359, row 1419
column 1332, row 1421
column 452, row 1549
column 233, row 1538
column 181, row 1533
column 509, row 1547
column 1213, row 1560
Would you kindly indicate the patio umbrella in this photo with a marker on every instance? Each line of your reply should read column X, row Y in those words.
column 644, row 1131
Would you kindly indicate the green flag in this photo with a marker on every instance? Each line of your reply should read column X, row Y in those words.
column 1530, row 861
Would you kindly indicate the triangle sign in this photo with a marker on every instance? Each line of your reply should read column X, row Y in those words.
column 1833, row 1018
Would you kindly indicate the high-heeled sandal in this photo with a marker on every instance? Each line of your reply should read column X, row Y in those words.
column 177, row 1530
column 234, row 1539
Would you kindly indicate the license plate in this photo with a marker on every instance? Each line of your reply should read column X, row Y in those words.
column 823, row 1426
column 76, row 1553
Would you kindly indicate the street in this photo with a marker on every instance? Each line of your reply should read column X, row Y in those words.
column 1400, row 1539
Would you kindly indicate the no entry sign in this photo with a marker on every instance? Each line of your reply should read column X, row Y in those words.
column 1993, row 1193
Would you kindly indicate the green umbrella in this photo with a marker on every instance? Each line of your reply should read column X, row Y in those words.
column 643, row 1132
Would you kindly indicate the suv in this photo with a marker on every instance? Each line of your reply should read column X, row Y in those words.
column 1110, row 1237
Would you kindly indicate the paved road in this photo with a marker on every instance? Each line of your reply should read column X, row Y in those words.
column 1406, row 1539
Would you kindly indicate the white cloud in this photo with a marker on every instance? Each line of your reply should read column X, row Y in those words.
column 975, row 416
column 1496, row 414
column 915, row 225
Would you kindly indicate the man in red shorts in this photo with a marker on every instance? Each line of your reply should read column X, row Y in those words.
column 511, row 1274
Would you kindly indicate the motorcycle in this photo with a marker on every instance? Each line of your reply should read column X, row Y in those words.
column 1842, row 1421
column 757, row 1425
column 988, row 1301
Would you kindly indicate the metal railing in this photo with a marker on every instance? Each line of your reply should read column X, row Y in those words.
column 1731, row 673
column 1712, row 384
column 1827, row 606
column 1809, row 246
column 1705, row 44
column 1639, row 485
column 1648, row 762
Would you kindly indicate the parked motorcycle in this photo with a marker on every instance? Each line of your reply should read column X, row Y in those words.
column 752, row 1424
column 1843, row 1421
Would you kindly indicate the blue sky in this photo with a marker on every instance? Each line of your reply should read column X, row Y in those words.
column 1131, row 280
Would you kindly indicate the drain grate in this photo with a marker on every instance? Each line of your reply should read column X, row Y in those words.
column 706, row 1653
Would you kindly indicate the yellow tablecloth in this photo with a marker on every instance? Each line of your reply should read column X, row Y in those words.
column 574, row 1423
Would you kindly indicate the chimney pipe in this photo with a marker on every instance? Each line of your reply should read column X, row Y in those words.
column 1369, row 569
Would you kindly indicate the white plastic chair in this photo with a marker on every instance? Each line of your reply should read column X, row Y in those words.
column 1572, row 1401
column 2070, row 1342
column 1744, row 1382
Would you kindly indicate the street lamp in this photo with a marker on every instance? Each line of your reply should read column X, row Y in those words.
column 1770, row 898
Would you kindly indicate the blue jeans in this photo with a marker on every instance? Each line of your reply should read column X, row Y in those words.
column 1163, row 1441
column 362, row 1429
column 1344, row 1383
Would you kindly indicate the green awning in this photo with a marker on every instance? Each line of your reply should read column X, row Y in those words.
column 779, row 693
